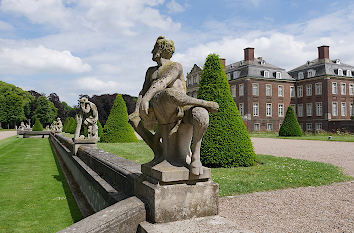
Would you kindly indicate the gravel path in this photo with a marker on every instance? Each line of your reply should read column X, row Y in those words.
column 6, row 134
column 308, row 209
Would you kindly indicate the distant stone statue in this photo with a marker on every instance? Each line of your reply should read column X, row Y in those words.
column 88, row 116
column 180, row 118
column 59, row 126
column 22, row 126
column 47, row 128
column 53, row 126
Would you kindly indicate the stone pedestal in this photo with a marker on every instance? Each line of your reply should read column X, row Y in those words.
column 172, row 193
column 90, row 142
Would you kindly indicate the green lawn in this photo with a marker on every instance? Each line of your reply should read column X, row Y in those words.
column 322, row 137
column 34, row 196
column 270, row 173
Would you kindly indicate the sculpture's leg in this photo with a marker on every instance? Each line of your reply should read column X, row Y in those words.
column 200, row 122
column 78, row 128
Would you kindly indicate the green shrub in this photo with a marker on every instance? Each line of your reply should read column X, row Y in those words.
column 71, row 126
column 37, row 126
column 290, row 125
column 66, row 123
column 117, row 128
column 100, row 129
column 226, row 142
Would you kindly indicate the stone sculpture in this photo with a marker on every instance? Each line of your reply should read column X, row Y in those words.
column 59, row 126
column 88, row 115
column 22, row 126
column 180, row 117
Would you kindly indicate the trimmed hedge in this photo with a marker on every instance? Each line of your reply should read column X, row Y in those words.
column 66, row 123
column 37, row 126
column 290, row 125
column 117, row 128
column 226, row 142
column 70, row 126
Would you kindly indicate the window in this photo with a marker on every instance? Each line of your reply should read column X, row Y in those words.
column 319, row 109
column 340, row 72
column 299, row 91
column 318, row 126
column 233, row 91
column 281, row 110
column 308, row 126
column 292, row 91
column 278, row 75
column 309, row 109
column 301, row 126
column 351, row 89
column 280, row 90
column 334, row 88
column 309, row 90
column 300, row 110
column 236, row 74
column 255, row 109
column 349, row 73
column 343, row 109
column 256, row 126
column 240, row 90
column 318, row 88
column 269, row 126
column 351, row 109
column 266, row 73
column 268, row 109
column 343, row 88
column 255, row 89
column 334, row 108
column 240, row 108
column 294, row 107
column 311, row 73
column 228, row 76
column 268, row 90
column 300, row 75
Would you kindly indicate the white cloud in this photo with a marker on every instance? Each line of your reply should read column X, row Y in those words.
column 40, row 59
column 5, row 26
column 174, row 7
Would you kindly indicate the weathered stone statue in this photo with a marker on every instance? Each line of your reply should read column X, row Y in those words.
column 180, row 117
column 53, row 126
column 22, row 126
column 59, row 126
column 89, row 116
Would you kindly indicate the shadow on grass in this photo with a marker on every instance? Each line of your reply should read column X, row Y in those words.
column 74, row 209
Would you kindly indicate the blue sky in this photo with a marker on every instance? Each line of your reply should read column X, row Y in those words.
column 74, row 47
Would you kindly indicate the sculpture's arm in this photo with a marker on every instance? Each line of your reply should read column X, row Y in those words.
column 94, row 112
column 86, row 108
column 170, row 75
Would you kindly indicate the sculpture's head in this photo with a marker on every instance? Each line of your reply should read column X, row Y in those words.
column 58, row 119
column 163, row 49
column 83, row 101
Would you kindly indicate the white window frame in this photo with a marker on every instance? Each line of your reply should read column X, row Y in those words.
column 241, row 89
column 300, row 110
column 278, row 75
column 343, row 88
column 255, row 89
column 318, row 126
column 241, row 109
column 334, row 88
column 228, row 76
column 309, row 90
column 311, row 73
column 292, row 91
column 351, row 109
column 340, row 72
column 300, row 91
column 258, row 126
column 233, row 90
column 268, row 109
column 319, row 109
column 236, row 74
column 266, row 73
column 318, row 88
column 334, row 108
column 280, row 110
column 351, row 89
column 308, row 126
column 309, row 109
column 343, row 109
column 280, row 90
column 255, row 109
column 269, row 88
column 300, row 75
column 349, row 73
column 271, row 126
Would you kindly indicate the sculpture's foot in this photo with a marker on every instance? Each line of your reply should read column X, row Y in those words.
column 188, row 159
column 196, row 168
column 154, row 161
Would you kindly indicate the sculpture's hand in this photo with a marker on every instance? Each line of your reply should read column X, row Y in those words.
column 134, row 118
column 214, row 107
column 144, row 106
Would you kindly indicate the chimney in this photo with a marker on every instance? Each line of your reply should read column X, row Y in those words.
column 323, row 53
column 223, row 62
column 249, row 54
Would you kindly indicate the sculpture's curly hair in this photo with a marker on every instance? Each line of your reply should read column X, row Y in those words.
column 166, row 46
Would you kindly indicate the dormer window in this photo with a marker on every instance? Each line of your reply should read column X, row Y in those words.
column 262, row 62
column 300, row 75
column 228, row 76
column 349, row 73
column 337, row 61
column 340, row 72
column 236, row 74
column 308, row 63
column 278, row 75
column 265, row 73
column 311, row 73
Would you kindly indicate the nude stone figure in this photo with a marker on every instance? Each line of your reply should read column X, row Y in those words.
column 180, row 118
column 88, row 115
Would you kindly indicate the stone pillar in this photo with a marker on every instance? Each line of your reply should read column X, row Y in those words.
column 90, row 142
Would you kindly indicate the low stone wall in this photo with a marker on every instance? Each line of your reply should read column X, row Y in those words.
column 102, row 183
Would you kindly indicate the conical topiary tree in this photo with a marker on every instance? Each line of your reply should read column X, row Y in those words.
column 66, row 123
column 290, row 125
column 100, row 129
column 117, row 128
column 226, row 142
column 37, row 126
column 71, row 127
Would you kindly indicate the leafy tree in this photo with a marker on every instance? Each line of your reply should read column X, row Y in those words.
column 117, row 128
column 11, row 109
column 37, row 126
column 45, row 111
column 71, row 126
column 226, row 142
column 290, row 125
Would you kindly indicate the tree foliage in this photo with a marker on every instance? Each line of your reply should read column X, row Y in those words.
column 37, row 126
column 226, row 142
column 117, row 128
column 45, row 111
column 290, row 125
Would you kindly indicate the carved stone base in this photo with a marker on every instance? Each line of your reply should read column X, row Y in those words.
column 167, row 203
column 91, row 142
